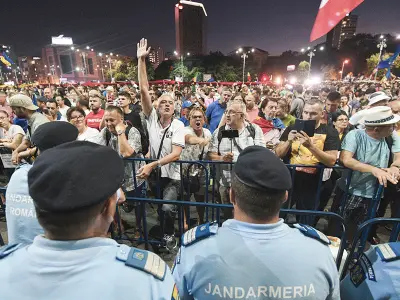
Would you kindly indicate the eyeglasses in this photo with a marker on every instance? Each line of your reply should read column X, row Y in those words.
column 81, row 117
column 229, row 113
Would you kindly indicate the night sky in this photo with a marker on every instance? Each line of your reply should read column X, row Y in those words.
column 117, row 25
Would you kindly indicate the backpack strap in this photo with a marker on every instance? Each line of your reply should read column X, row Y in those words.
column 220, row 137
column 142, row 260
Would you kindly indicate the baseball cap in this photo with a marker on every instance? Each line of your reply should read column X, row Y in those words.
column 187, row 104
column 21, row 100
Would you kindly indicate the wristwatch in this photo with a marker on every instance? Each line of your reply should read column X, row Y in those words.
column 119, row 132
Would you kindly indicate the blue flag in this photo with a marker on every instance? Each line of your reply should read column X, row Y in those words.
column 387, row 63
column 8, row 58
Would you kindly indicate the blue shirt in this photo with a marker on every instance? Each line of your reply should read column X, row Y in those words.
column 376, row 275
column 90, row 269
column 184, row 121
column 22, row 224
column 214, row 114
column 368, row 151
column 256, row 261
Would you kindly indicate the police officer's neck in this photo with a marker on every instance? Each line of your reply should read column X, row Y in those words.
column 91, row 233
column 242, row 217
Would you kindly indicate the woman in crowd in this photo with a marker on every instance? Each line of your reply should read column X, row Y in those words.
column 10, row 135
column 271, row 126
column 341, row 122
column 196, row 147
column 344, row 100
column 283, row 113
column 76, row 116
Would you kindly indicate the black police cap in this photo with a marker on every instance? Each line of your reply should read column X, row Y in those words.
column 259, row 168
column 75, row 175
column 52, row 134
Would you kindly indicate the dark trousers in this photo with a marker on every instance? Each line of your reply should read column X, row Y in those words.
column 304, row 194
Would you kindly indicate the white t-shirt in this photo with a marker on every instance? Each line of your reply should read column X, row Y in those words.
column 193, row 153
column 63, row 111
column 12, row 132
column 90, row 135
column 174, row 136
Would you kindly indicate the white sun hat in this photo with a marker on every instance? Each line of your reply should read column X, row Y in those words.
column 379, row 116
column 376, row 97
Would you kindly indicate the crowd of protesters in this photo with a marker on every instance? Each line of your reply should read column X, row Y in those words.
column 188, row 122
column 355, row 125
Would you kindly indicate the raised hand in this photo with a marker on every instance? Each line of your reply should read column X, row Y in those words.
column 142, row 50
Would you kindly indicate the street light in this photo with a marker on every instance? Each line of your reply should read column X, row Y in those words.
column 87, row 47
column 381, row 46
column 311, row 54
column 346, row 61
column 244, row 56
column 188, row 54
column 398, row 37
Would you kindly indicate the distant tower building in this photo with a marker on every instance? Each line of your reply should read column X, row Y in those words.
column 156, row 56
column 190, row 29
column 344, row 30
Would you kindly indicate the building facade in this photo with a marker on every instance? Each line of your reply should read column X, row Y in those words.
column 31, row 69
column 190, row 29
column 156, row 56
column 344, row 30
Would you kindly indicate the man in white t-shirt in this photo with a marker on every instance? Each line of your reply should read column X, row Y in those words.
column 161, row 123
column 62, row 108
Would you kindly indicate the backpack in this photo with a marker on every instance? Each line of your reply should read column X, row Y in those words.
column 250, row 128
column 143, row 138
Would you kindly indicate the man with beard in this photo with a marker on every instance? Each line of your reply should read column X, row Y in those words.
column 166, row 144
column 94, row 118
column 23, row 108
column 251, row 108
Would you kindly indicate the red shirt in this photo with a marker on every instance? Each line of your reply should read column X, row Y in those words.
column 94, row 120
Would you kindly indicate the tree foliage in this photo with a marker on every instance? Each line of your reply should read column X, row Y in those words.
column 225, row 72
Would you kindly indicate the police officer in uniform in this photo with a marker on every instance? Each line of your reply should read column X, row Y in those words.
column 74, row 189
column 256, row 255
column 376, row 275
column 22, row 224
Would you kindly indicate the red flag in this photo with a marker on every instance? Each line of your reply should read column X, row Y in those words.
column 248, row 77
column 330, row 13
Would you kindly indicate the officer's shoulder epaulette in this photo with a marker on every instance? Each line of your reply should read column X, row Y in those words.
column 389, row 251
column 142, row 260
column 199, row 233
column 8, row 249
column 312, row 233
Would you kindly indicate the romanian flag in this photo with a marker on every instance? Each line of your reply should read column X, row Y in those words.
column 329, row 14
column 248, row 77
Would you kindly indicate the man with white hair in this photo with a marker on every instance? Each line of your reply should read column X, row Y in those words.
column 166, row 144
column 227, row 149
column 366, row 152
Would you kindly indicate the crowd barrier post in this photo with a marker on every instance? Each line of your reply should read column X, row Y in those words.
column 363, row 230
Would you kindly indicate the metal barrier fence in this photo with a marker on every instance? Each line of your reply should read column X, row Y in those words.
column 363, row 230
column 213, row 206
